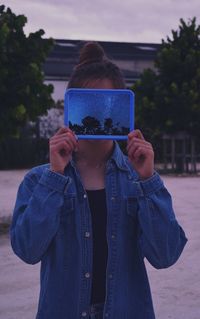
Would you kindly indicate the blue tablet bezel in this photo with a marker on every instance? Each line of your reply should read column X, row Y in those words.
column 104, row 91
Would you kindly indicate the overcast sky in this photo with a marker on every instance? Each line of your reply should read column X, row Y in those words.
column 108, row 20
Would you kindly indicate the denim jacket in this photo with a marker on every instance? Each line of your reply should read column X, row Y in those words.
column 52, row 225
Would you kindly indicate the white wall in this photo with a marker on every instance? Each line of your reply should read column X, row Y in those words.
column 59, row 89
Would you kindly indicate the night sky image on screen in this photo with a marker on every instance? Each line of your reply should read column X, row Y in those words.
column 99, row 114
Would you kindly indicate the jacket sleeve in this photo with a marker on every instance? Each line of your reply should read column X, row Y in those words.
column 161, row 239
column 37, row 213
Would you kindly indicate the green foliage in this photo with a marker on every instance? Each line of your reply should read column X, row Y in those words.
column 168, row 100
column 23, row 95
column 146, row 111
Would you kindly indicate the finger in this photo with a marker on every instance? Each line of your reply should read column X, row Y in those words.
column 136, row 141
column 63, row 129
column 141, row 153
column 145, row 150
column 132, row 148
column 71, row 142
column 66, row 135
column 64, row 145
column 144, row 147
column 68, row 147
column 136, row 133
column 136, row 154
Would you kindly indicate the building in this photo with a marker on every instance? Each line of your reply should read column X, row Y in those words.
column 132, row 58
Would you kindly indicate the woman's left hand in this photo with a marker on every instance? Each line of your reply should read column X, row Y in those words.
column 140, row 154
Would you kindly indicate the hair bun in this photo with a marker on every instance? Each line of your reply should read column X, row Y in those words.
column 91, row 52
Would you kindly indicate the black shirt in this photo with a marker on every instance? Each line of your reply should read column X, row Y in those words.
column 97, row 203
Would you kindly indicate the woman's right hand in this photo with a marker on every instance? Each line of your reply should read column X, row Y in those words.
column 61, row 146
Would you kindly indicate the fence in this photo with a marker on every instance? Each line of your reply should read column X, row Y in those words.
column 172, row 153
column 23, row 153
column 181, row 153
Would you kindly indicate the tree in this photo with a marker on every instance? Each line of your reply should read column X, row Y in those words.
column 146, row 110
column 23, row 95
column 168, row 100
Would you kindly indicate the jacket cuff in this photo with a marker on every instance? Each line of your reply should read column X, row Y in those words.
column 152, row 184
column 55, row 180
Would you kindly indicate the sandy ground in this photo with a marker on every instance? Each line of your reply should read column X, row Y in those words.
column 9, row 182
column 175, row 291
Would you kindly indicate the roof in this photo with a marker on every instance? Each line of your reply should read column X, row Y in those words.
column 65, row 53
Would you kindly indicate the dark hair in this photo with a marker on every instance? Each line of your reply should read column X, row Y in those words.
column 94, row 65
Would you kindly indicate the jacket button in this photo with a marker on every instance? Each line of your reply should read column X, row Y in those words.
column 85, row 196
column 84, row 314
column 113, row 236
column 87, row 275
column 87, row 234
column 110, row 276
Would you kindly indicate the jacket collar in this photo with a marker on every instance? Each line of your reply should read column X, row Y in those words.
column 119, row 158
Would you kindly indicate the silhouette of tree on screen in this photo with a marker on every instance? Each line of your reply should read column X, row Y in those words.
column 108, row 125
column 116, row 130
column 91, row 125
column 78, row 129
column 125, row 130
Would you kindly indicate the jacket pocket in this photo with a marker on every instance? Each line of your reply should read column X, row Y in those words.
column 67, row 216
column 68, row 207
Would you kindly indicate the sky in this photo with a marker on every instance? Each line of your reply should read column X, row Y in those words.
column 147, row 21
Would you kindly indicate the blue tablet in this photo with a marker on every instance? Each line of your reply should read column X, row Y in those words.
column 99, row 114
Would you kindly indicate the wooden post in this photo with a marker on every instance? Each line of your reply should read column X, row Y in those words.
column 165, row 154
column 184, row 153
column 173, row 152
column 193, row 156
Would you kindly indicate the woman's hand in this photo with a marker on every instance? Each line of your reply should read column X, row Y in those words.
column 61, row 146
column 140, row 154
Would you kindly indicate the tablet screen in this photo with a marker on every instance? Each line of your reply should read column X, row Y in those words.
column 99, row 112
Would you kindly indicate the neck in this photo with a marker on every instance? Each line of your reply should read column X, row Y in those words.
column 94, row 152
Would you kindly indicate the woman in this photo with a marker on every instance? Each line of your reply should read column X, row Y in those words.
column 92, row 215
